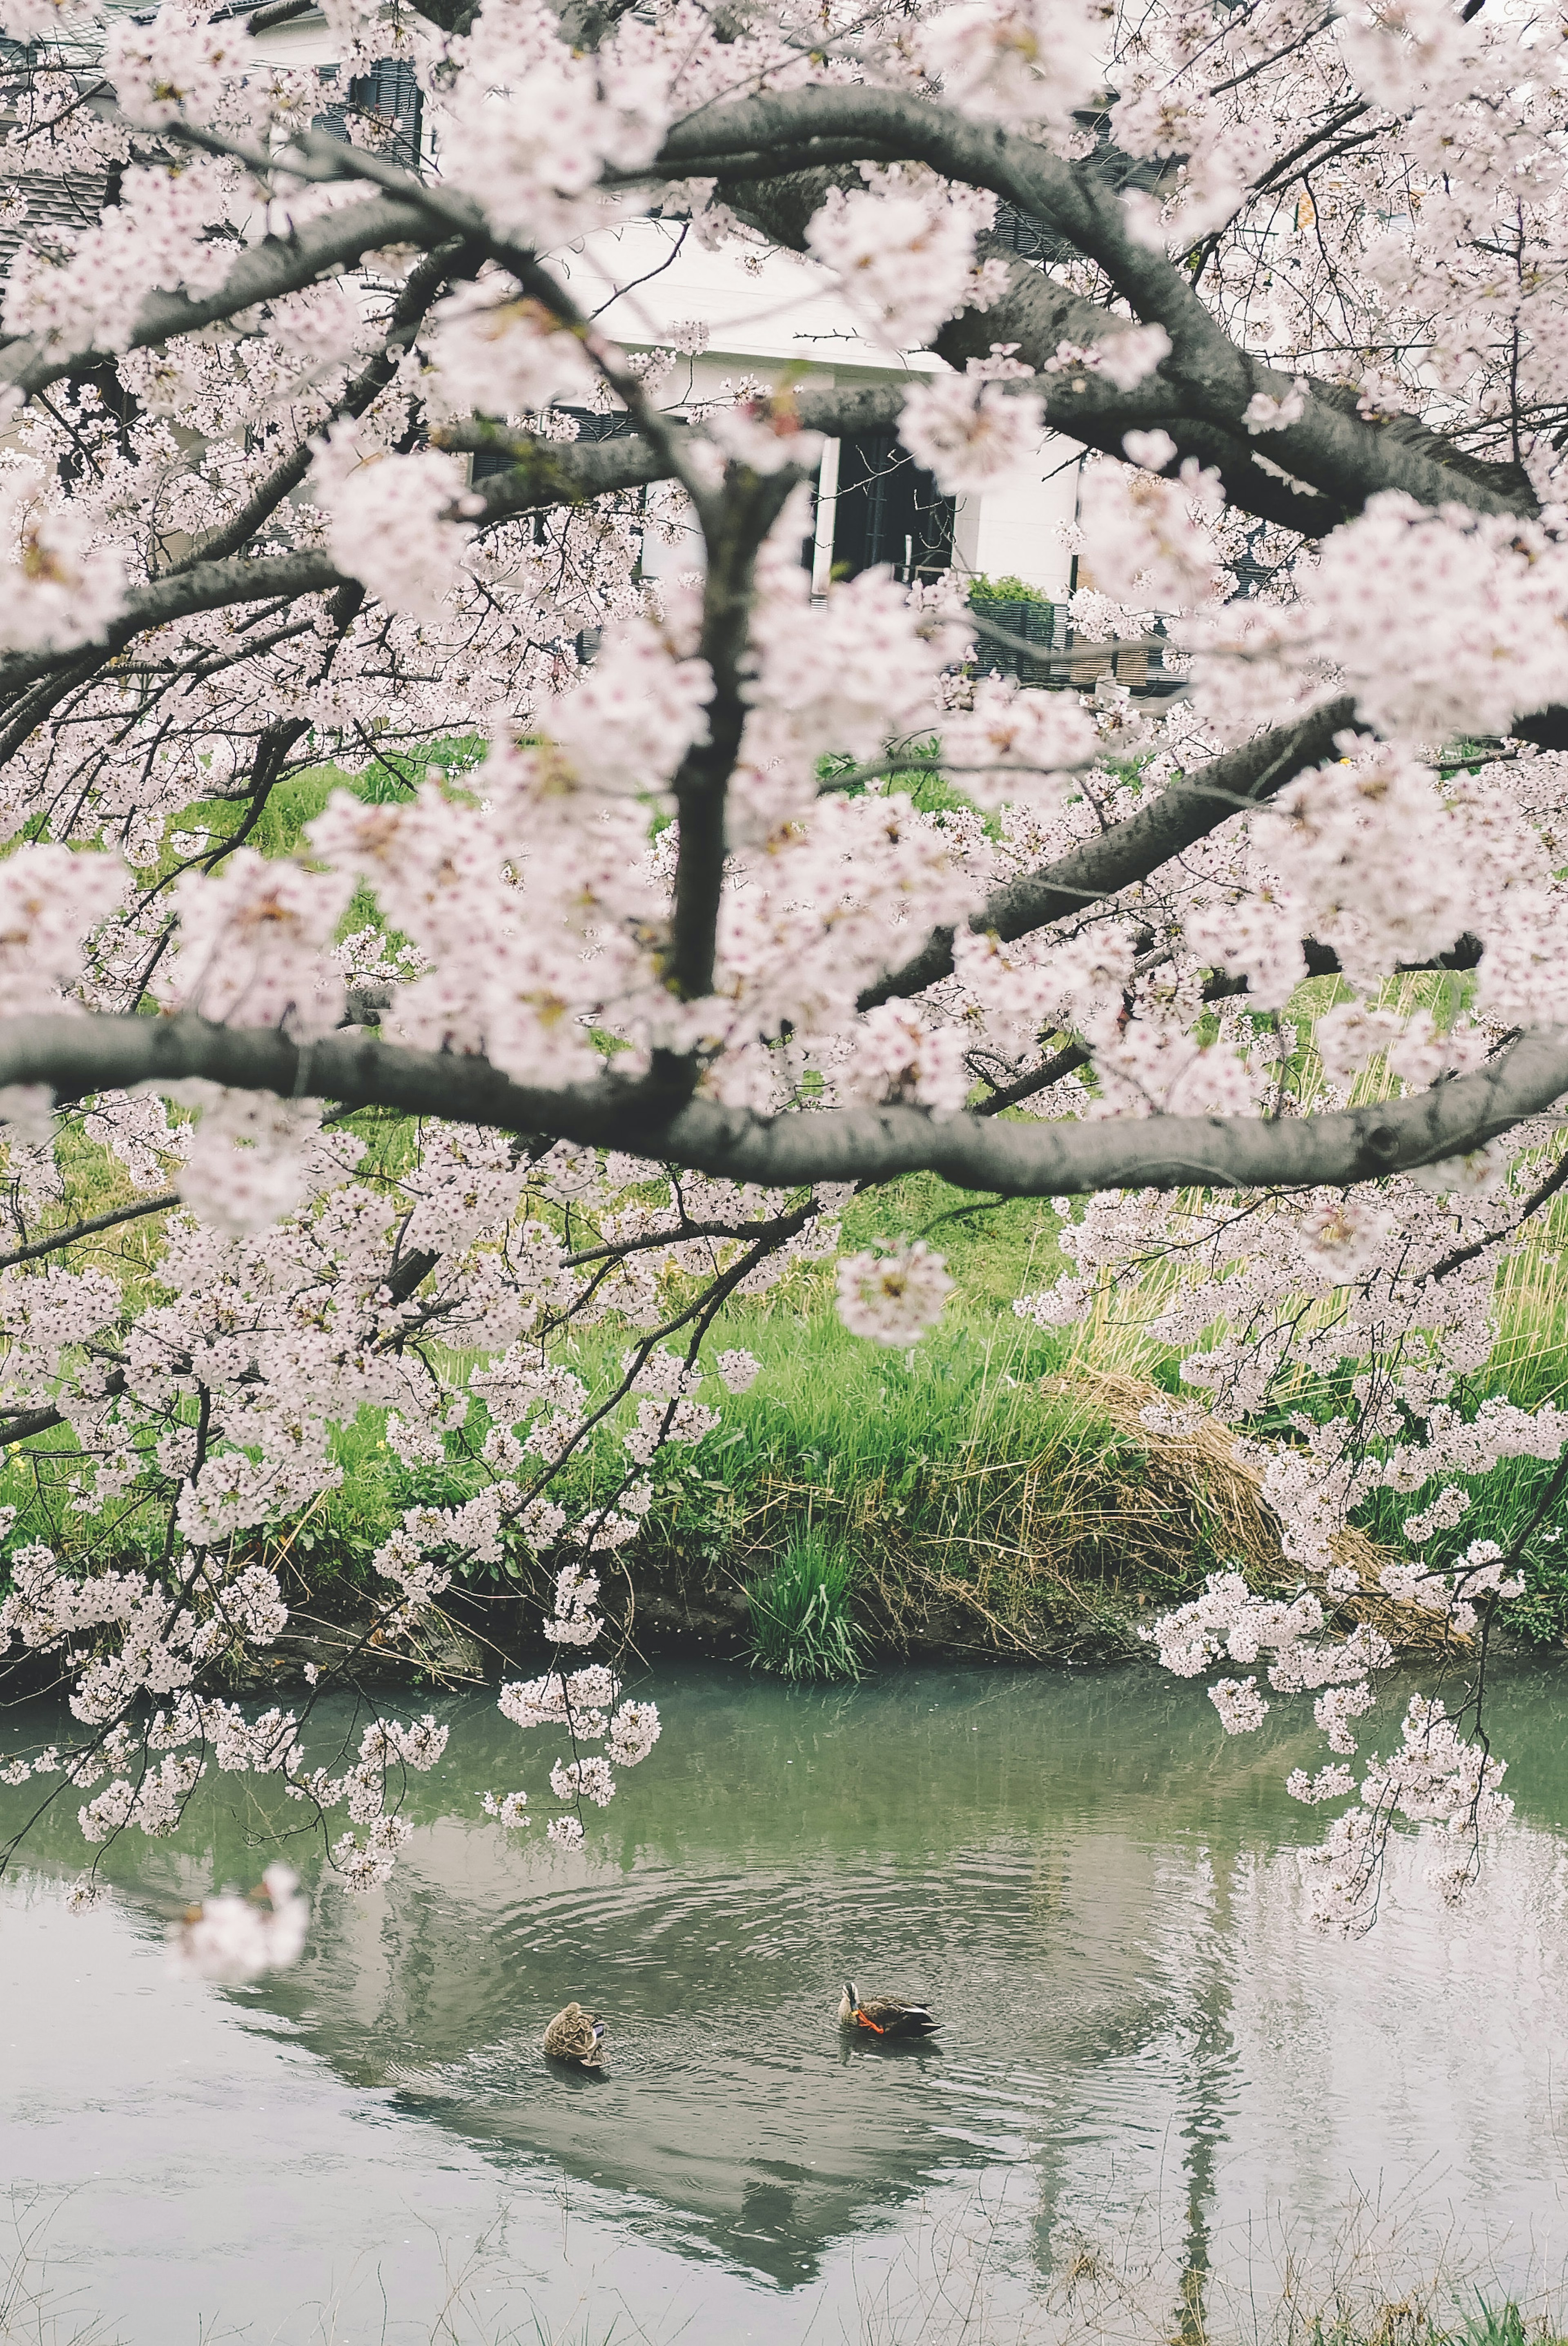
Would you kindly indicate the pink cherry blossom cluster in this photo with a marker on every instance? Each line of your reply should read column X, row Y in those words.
column 969, row 431
column 231, row 1940
column 291, row 1335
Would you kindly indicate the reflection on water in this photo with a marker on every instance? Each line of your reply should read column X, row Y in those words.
column 1143, row 2043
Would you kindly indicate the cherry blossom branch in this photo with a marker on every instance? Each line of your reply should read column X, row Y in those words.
column 38, row 1248
column 703, row 1311
column 1329, row 447
column 1038, row 315
column 779, row 1226
column 1129, row 852
column 1321, row 962
column 565, row 474
column 22, row 1425
column 321, row 157
column 1554, row 1182
column 593, row 467
column 322, row 248
column 1065, row 1062
column 425, row 283
column 209, row 587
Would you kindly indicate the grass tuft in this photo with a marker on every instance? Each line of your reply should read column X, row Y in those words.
column 1494, row 2325
column 801, row 1625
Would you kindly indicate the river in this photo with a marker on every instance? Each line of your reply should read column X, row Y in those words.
column 1160, row 2106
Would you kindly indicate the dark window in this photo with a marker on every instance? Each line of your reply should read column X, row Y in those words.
column 888, row 510
column 1030, row 623
column 68, row 199
column 390, row 92
column 334, row 121
column 1014, row 232
column 615, row 425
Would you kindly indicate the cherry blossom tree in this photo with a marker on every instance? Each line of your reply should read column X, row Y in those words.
column 1270, row 977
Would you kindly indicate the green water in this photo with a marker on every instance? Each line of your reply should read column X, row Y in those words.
column 1148, row 2059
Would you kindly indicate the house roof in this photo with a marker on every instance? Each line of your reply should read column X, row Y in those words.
column 55, row 199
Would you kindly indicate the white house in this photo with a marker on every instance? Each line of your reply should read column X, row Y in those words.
column 648, row 276
column 767, row 312
column 874, row 504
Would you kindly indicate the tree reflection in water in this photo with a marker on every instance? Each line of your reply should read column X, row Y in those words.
column 1054, row 1861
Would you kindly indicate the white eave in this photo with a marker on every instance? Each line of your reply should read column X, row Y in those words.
column 641, row 280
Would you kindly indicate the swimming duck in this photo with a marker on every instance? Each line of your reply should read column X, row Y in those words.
column 577, row 2036
column 883, row 2016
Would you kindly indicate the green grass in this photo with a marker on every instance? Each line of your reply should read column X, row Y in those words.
column 1418, row 2319
column 1495, row 2325
column 801, row 1623
column 988, row 1495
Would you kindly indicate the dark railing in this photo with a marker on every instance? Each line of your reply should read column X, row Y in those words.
column 1029, row 623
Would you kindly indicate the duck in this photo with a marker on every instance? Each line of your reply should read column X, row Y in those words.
column 577, row 2036
column 883, row 2016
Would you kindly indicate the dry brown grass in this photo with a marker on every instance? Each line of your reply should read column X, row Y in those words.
column 1204, row 1455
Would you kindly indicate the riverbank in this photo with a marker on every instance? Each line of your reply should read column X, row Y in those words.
column 1048, row 1526
column 994, row 1490
column 996, row 1495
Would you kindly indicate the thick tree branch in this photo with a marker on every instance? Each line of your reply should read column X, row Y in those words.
column 702, row 781
column 570, row 472
column 547, row 473
column 81, row 1055
column 1321, row 961
column 208, row 588
column 1333, row 449
column 278, row 12
column 39, row 1247
column 25, row 1423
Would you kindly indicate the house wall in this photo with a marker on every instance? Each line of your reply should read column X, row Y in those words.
column 1019, row 529
column 789, row 313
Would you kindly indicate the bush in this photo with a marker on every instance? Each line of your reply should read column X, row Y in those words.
column 801, row 1623
column 983, row 589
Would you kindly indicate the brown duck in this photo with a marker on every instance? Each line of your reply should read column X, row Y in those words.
column 883, row 2016
column 577, row 2036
